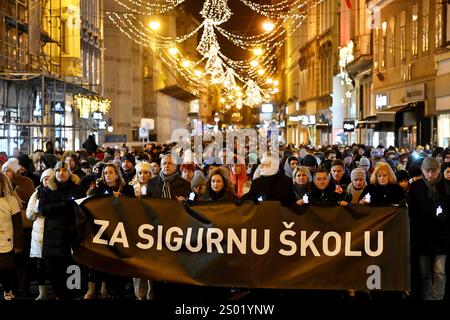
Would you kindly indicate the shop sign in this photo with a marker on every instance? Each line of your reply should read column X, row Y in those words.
column 381, row 101
column 349, row 126
column 415, row 93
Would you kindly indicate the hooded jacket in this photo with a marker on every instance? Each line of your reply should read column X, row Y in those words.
column 56, row 205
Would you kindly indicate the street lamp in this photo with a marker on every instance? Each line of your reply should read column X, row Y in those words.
column 154, row 25
column 268, row 26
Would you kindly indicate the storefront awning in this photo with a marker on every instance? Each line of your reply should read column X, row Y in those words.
column 388, row 115
column 178, row 93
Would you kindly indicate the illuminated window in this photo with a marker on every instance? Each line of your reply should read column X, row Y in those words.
column 425, row 27
column 415, row 30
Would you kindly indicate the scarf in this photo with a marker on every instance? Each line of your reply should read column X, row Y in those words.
column 166, row 194
column 431, row 186
column 355, row 193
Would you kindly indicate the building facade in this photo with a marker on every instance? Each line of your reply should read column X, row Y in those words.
column 355, row 77
column 442, row 84
column 141, row 86
column 407, row 37
column 50, row 73
column 310, row 64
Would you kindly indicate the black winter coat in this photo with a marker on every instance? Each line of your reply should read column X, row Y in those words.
column 178, row 187
column 384, row 195
column 327, row 197
column 277, row 187
column 127, row 177
column 102, row 188
column 56, row 205
column 430, row 233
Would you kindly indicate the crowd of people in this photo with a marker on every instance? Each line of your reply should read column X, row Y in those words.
column 38, row 227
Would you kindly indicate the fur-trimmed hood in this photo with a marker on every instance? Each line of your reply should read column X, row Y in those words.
column 52, row 181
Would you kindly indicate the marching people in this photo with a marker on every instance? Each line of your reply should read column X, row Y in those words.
column 388, row 185
column 302, row 183
column 198, row 186
column 141, row 180
column 323, row 190
column 430, row 236
column 127, row 169
column 110, row 183
column 383, row 189
column 403, row 180
column 356, row 187
column 187, row 171
column 24, row 188
column 143, row 288
column 339, row 176
column 73, row 161
column 168, row 184
column 219, row 186
column 238, row 176
column 56, row 206
column 11, row 234
column 272, row 185
column 364, row 163
column 155, row 164
column 37, row 234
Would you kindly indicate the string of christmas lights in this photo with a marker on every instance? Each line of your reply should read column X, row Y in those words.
column 150, row 7
column 218, row 69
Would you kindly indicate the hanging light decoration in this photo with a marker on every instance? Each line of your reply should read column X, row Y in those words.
column 253, row 94
column 214, row 66
column 287, row 16
column 208, row 39
column 216, row 11
column 229, row 81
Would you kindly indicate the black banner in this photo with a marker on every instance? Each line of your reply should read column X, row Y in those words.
column 262, row 246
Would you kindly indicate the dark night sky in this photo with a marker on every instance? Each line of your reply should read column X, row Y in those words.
column 243, row 21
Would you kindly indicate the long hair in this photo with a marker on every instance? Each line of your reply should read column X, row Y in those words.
column 386, row 167
column 6, row 188
column 120, row 182
column 303, row 170
column 223, row 172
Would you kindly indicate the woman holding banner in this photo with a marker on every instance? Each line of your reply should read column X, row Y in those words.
column 219, row 186
column 110, row 183
column 302, row 183
column 142, row 287
column 383, row 189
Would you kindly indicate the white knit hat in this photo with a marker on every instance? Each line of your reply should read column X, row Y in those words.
column 12, row 164
column 47, row 173
column 143, row 166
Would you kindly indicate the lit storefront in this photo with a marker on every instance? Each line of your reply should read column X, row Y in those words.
column 44, row 109
column 401, row 117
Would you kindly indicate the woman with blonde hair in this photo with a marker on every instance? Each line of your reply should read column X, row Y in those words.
column 11, row 234
column 383, row 189
column 141, row 180
column 302, row 180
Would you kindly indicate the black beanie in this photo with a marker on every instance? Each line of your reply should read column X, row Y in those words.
column 129, row 157
column 402, row 175
column 309, row 161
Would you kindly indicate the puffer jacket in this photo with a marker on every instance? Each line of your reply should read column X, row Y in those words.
column 37, row 234
column 57, row 206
